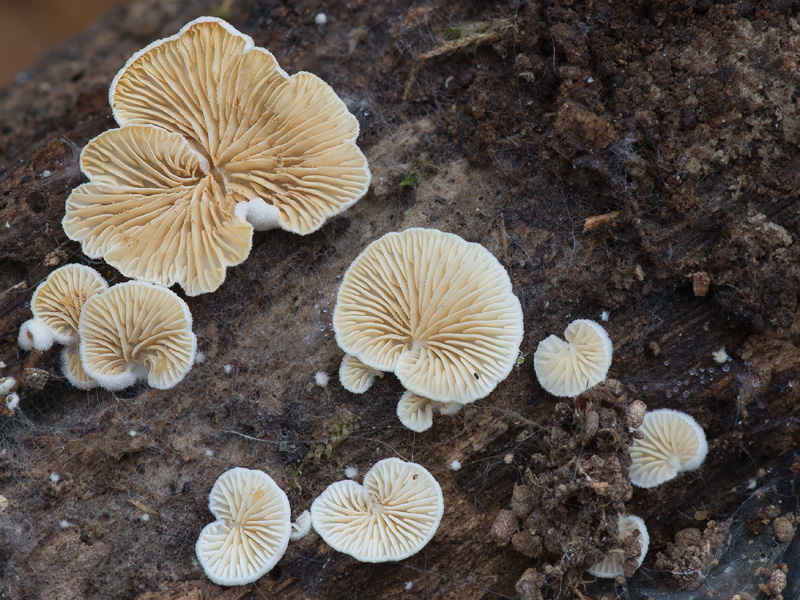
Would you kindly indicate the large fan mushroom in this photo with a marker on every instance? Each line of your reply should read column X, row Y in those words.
column 433, row 308
column 214, row 140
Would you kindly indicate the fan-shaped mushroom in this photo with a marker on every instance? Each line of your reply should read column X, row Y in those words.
column 56, row 306
column 252, row 529
column 672, row 442
column 136, row 330
column 569, row 368
column 416, row 412
column 433, row 308
column 392, row 516
column 613, row 564
column 215, row 139
column 355, row 376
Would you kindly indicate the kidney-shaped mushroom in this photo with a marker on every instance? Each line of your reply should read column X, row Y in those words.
column 252, row 529
column 569, row 368
column 390, row 517
column 671, row 442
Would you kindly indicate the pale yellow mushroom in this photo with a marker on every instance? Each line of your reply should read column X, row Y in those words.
column 569, row 368
column 215, row 139
column 416, row 412
column 433, row 308
column 672, row 442
column 355, row 376
column 56, row 306
column 136, row 330
column 252, row 529
column 390, row 517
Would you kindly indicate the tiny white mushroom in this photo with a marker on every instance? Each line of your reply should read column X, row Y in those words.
column 6, row 383
column 720, row 356
column 672, row 442
column 612, row 565
column 321, row 378
column 252, row 529
column 355, row 376
column 416, row 412
column 12, row 401
column 569, row 368
column 391, row 517
column 301, row 526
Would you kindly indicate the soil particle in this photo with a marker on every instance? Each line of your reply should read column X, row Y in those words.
column 776, row 581
column 693, row 552
column 575, row 488
column 783, row 529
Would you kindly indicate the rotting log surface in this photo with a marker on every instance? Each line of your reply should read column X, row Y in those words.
column 683, row 117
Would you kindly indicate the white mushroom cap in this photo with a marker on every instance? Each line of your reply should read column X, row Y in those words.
column 252, row 529
column 209, row 122
column 613, row 564
column 391, row 517
column 56, row 306
column 672, row 442
column 136, row 330
column 416, row 412
column 435, row 309
column 355, row 376
column 570, row 368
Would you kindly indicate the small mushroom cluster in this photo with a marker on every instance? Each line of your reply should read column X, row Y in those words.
column 390, row 517
column 215, row 140
column 436, row 310
column 112, row 336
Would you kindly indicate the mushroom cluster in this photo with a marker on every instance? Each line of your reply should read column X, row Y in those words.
column 112, row 336
column 215, row 139
column 433, row 308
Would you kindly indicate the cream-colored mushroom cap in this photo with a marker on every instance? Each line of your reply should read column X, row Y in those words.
column 252, row 529
column 437, row 310
column 392, row 516
column 416, row 412
column 355, row 376
column 215, row 139
column 569, row 368
column 56, row 306
column 136, row 330
column 613, row 564
column 672, row 442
